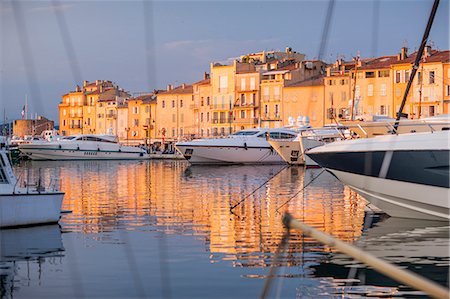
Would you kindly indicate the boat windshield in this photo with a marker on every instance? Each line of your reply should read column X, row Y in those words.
column 245, row 133
column 69, row 138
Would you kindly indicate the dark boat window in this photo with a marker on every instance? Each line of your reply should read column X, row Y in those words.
column 245, row 133
column 281, row 135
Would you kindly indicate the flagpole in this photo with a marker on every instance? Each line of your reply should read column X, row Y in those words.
column 26, row 106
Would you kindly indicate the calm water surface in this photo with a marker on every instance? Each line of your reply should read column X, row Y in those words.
column 164, row 229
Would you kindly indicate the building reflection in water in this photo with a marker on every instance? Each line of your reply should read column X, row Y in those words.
column 190, row 200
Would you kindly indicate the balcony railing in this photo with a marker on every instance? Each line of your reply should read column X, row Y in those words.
column 225, row 120
column 74, row 126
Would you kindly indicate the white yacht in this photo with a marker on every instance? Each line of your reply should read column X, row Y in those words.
column 26, row 205
column 405, row 175
column 243, row 147
column 292, row 150
column 82, row 147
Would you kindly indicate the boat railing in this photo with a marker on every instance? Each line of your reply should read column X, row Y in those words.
column 32, row 185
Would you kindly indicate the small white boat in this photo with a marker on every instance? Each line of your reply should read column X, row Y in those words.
column 292, row 150
column 83, row 147
column 30, row 205
column 405, row 175
column 243, row 147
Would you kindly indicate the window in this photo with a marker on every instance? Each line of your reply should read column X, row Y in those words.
column 448, row 90
column 383, row 73
column 223, row 83
column 163, row 104
column 201, row 117
column 173, row 103
column 173, row 118
column 370, row 74
column 276, row 92
column 431, row 78
column 431, row 111
column 243, row 114
column 64, row 112
column 181, row 117
column 254, row 99
column 266, row 110
column 357, row 91
column 207, row 117
column 208, row 102
column 135, row 122
column 201, row 102
column 146, row 109
column 383, row 91
column 331, row 112
column 242, row 99
column 370, row 90
column 252, row 83
column 382, row 110
column 419, row 78
column 135, row 110
column 397, row 77
column 242, row 83
column 277, row 111
column 266, row 93
column 181, row 103
column 407, row 74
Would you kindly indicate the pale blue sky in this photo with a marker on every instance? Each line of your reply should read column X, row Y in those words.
column 120, row 40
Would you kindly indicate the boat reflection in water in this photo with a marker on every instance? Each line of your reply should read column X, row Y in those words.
column 25, row 253
column 191, row 204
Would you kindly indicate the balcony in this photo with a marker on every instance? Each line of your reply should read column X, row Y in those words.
column 246, row 121
column 245, row 105
column 74, row 126
column 225, row 120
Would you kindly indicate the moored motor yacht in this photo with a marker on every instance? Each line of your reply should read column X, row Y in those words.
column 82, row 147
column 26, row 205
column 243, row 147
column 406, row 175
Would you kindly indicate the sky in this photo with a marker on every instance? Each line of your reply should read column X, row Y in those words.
column 48, row 47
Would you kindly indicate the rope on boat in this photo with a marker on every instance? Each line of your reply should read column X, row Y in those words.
column 260, row 186
column 301, row 190
column 409, row 278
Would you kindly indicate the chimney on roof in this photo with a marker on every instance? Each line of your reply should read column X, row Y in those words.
column 404, row 53
column 169, row 87
column 427, row 51
column 100, row 88
column 205, row 76
column 183, row 86
column 328, row 71
column 85, row 83
column 77, row 89
column 97, row 82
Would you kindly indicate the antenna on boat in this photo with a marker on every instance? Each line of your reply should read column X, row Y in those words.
column 416, row 63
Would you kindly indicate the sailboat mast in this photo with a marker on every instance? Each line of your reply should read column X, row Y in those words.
column 416, row 62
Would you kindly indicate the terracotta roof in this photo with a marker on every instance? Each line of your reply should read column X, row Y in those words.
column 383, row 62
column 313, row 81
column 289, row 67
column 203, row 82
column 436, row 56
column 180, row 90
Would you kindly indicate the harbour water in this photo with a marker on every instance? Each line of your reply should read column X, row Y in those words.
column 164, row 229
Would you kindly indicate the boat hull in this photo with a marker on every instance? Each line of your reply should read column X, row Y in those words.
column 400, row 199
column 77, row 153
column 289, row 150
column 30, row 209
column 229, row 154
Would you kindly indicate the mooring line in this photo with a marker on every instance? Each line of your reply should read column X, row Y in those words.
column 268, row 180
column 301, row 190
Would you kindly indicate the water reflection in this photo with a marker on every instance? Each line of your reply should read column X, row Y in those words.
column 195, row 200
column 24, row 253
column 174, row 198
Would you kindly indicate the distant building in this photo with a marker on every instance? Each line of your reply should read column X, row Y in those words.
column 23, row 127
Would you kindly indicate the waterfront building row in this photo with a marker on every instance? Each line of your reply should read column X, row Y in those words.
column 266, row 89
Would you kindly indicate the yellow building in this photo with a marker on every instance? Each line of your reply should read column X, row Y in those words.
column 78, row 109
column 426, row 97
column 122, row 120
column 445, row 105
column 202, row 93
column 71, row 112
column 304, row 98
column 274, row 80
column 175, row 114
column 246, row 106
column 372, row 88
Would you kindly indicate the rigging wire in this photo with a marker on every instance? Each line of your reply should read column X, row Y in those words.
column 260, row 186
column 416, row 63
column 25, row 47
column 67, row 42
